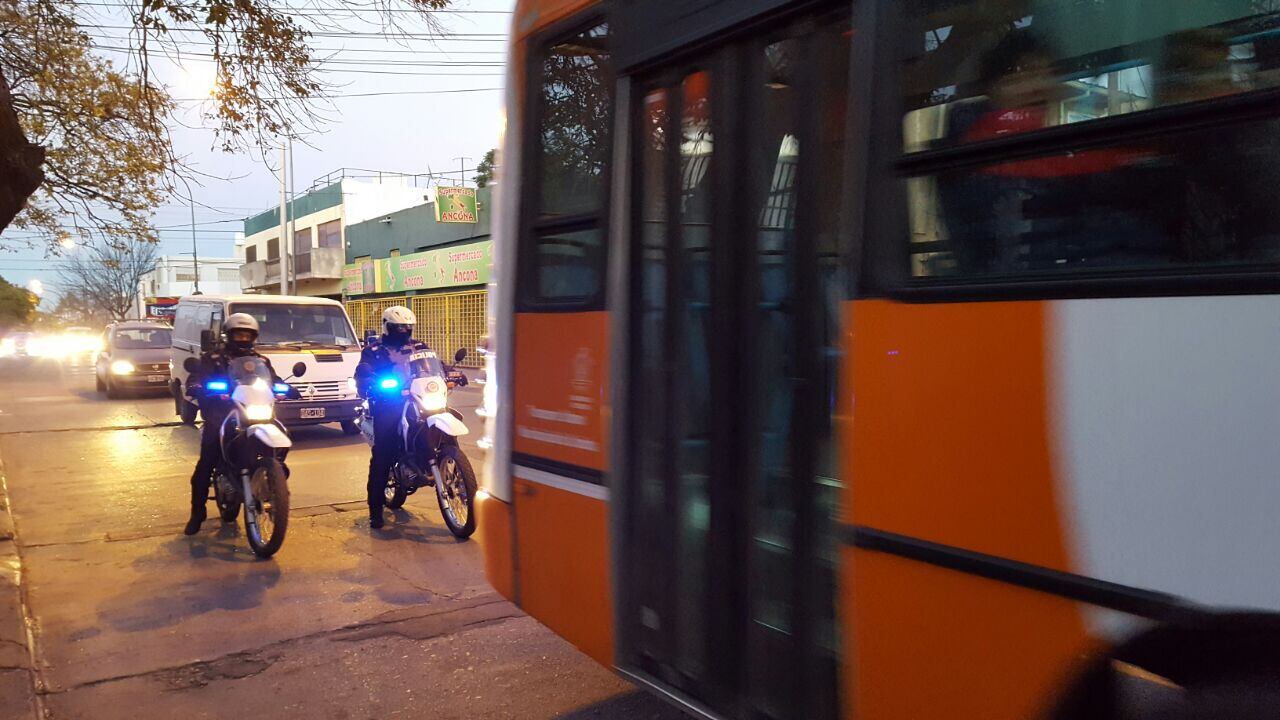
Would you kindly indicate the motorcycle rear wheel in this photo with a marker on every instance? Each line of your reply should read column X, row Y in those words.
column 228, row 508
column 394, row 493
column 271, row 506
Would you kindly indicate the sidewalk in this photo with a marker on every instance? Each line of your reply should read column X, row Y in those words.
column 17, row 698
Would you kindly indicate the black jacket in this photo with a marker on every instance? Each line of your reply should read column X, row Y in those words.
column 213, row 364
column 376, row 360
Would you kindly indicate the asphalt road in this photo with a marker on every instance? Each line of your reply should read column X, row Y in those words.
column 131, row 619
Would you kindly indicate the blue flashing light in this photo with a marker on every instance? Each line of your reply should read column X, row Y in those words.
column 281, row 388
column 217, row 386
column 389, row 383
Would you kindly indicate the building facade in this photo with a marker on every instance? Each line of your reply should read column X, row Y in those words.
column 319, row 218
column 431, row 260
column 175, row 276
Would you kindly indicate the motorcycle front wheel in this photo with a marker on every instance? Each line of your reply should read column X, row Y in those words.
column 456, row 492
column 271, row 508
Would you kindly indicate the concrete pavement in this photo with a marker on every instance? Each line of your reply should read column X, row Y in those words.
column 132, row 619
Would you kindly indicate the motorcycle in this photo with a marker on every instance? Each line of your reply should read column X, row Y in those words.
column 429, row 430
column 254, row 445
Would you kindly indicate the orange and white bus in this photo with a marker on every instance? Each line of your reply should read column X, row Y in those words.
column 894, row 360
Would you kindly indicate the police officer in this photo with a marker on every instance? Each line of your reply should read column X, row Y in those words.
column 241, row 331
column 380, row 357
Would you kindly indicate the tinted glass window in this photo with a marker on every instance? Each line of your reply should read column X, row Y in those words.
column 330, row 234
column 251, row 254
column 576, row 113
column 142, row 338
column 977, row 70
column 569, row 265
column 273, row 248
column 1187, row 200
column 300, row 325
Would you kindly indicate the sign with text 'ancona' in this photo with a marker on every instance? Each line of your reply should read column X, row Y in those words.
column 456, row 205
column 454, row 266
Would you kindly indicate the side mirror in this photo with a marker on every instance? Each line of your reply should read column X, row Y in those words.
column 460, row 355
column 370, row 333
column 299, row 369
column 206, row 340
column 189, row 364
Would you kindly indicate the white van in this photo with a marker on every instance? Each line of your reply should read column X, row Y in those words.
column 314, row 331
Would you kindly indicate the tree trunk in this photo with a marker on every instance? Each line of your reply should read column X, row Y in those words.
column 20, row 161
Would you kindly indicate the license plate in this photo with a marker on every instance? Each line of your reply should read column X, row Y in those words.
column 311, row 413
column 156, row 378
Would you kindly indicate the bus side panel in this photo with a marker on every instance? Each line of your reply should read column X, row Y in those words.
column 935, row 643
column 948, row 442
column 493, row 519
column 564, row 565
column 561, row 387
column 950, row 434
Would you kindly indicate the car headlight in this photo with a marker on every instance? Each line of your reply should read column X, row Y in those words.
column 122, row 367
column 351, row 386
column 257, row 413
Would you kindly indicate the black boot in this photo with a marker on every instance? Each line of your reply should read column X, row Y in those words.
column 375, row 517
column 198, row 515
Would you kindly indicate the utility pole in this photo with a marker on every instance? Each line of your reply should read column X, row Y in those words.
column 284, row 223
column 293, row 250
column 462, row 165
column 195, row 256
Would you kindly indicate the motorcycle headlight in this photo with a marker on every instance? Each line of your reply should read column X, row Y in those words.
column 434, row 402
column 257, row 413
column 121, row 367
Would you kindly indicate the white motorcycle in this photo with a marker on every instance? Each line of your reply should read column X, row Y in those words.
column 429, row 432
column 254, row 446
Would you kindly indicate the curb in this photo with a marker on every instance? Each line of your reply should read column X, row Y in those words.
column 19, row 683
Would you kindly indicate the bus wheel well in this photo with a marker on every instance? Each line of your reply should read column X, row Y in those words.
column 1208, row 658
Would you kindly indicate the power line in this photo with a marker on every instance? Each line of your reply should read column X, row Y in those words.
column 338, row 8
column 323, row 61
column 372, row 35
column 368, row 94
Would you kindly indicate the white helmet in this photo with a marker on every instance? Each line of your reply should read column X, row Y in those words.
column 240, row 321
column 398, row 315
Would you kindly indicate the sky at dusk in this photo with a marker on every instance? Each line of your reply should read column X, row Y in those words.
column 388, row 114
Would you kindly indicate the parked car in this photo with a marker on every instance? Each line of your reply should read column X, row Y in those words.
column 135, row 356
column 313, row 331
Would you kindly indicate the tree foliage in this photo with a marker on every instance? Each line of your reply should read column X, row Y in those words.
column 106, row 275
column 102, row 127
column 17, row 305
column 486, row 169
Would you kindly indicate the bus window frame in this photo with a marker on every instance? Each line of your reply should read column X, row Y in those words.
column 887, row 255
column 533, row 227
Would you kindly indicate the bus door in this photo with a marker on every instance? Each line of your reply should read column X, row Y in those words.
column 727, row 559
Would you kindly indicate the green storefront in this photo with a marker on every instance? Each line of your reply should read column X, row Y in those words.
column 438, row 268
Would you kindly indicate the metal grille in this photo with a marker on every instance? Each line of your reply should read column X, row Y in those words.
column 367, row 314
column 153, row 367
column 446, row 321
column 449, row 321
column 320, row 390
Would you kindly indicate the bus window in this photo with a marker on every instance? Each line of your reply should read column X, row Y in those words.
column 576, row 103
column 1189, row 199
column 566, row 255
column 972, row 72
